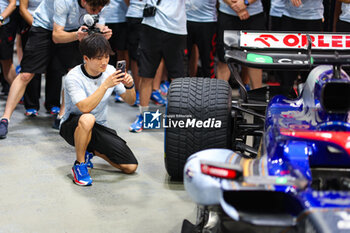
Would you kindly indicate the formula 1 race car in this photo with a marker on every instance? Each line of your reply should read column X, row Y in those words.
column 294, row 174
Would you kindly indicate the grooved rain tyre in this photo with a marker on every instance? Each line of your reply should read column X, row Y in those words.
column 199, row 98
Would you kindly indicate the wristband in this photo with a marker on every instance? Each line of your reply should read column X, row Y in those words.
column 130, row 87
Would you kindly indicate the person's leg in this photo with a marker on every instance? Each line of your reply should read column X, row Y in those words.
column 32, row 93
column 126, row 168
column 255, row 22
column 225, row 22
column 158, row 76
column 255, row 77
column 106, row 144
column 149, row 59
column 17, row 90
column 145, row 91
column 82, row 135
column 134, row 27
column 9, row 70
column 206, row 41
column 193, row 61
column 223, row 71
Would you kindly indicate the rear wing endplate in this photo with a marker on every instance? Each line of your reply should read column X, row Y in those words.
column 286, row 50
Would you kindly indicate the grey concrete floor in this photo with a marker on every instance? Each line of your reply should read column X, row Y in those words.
column 37, row 193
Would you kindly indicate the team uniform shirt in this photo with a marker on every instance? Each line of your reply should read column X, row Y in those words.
column 345, row 12
column 308, row 10
column 3, row 6
column 43, row 15
column 277, row 8
column 32, row 5
column 170, row 16
column 135, row 9
column 115, row 12
column 77, row 87
column 253, row 9
column 201, row 10
column 67, row 13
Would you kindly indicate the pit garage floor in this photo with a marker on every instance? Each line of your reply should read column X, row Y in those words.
column 37, row 193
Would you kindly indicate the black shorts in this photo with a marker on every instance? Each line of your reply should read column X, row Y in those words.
column 204, row 36
column 299, row 25
column 343, row 26
column 155, row 45
column 103, row 140
column 230, row 22
column 40, row 49
column 119, row 38
column 7, row 39
column 134, row 28
column 275, row 23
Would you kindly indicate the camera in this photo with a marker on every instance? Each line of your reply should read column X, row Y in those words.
column 149, row 11
column 90, row 21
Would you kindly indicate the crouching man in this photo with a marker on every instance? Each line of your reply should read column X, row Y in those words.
column 87, row 89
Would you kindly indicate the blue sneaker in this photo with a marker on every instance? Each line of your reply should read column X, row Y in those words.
column 88, row 157
column 118, row 99
column 157, row 98
column 137, row 126
column 31, row 112
column 21, row 101
column 81, row 175
column 4, row 123
column 164, row 87
column 55, row 110
column 137, row 101
column 18, row 69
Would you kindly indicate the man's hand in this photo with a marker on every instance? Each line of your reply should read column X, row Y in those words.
column 296, row 3
column 243, row 15
column 238, row 5
column 106, row 31
column 81, row 34
column 128, row 80
column 114, row 79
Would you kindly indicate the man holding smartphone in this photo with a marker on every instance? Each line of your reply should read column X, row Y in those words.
column 87, row 88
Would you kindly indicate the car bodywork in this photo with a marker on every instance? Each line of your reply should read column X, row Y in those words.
column 299, row 180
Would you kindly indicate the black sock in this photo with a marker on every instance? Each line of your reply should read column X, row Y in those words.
column 76, row 162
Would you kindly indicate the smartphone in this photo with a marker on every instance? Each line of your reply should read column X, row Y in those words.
column 121, row 65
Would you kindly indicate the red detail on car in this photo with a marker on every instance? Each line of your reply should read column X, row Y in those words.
column 218, row 171
column 264, row 37
column 339, row 138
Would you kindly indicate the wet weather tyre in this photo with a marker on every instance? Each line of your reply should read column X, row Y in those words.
column 205, row 100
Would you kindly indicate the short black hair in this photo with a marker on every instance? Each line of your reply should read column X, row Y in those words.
column 95, row 45
column 97, row 3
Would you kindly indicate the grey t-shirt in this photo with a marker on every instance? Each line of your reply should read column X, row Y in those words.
column 67, row 13
column 170, row 16
column 253, row 9
column 78, row 86
column 345, row 12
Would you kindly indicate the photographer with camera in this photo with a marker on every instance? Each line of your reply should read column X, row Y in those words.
column 54, row 22
column 163, row 36
column 87, row 89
